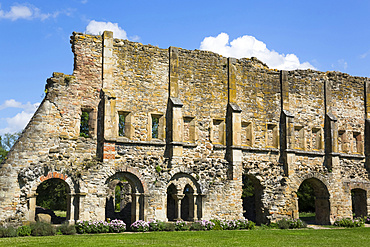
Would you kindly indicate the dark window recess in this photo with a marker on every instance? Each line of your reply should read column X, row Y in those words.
column 121, row 124
column 84, row 126
column 155, row 125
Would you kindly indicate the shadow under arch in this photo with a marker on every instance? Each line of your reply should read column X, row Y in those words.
column 184, row 198
column 252, row 199
column 131, row 202
column 359, row 202
column 321, row 200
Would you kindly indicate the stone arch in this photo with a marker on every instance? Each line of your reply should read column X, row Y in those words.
column 132, row 206
column 128, row 170
column 184, row 201
column 72, row 200
column 322, row 198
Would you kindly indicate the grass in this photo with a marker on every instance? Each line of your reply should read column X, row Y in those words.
column 307, row 217
column 60, row 213
column 307, row 237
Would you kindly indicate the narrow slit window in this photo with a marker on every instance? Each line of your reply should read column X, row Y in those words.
column 122, row 124
column 84, row 124
column 155, row 127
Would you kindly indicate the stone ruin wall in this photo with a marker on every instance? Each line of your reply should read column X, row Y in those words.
column 240, row 117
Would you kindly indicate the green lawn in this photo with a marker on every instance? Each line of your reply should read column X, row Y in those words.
column 306, row 237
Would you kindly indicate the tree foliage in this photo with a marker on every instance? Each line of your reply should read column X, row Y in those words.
column 84, row 126
column 306, row 197
column 6, row 143
column 52, row 194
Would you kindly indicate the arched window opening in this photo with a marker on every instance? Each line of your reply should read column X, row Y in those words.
column 313, row 202
column 171, row 204
column 52, row 201
column 359, row 204
column 252, row 199
column 125, row 199
column 187, row 204
column 306, row 202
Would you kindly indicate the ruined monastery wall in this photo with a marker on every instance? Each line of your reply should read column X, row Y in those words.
column 180, row 131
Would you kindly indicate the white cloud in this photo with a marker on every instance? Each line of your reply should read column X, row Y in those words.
column 25, row 11
column 20, row 120
column 248, row 46
column 98, row 27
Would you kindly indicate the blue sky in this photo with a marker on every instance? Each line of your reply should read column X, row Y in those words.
column 323, row 35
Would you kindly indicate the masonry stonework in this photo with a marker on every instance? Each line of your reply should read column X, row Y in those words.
column 180, row 130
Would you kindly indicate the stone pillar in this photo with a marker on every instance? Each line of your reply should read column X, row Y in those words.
column 71, row 208
column 367, row 124
column 330, row 132
column 233, row 125
column 79, row 213
column 235, row 155
column 178, row 198
column 32, row 205
column 173, row 72
column 177, row 129
column 110, row 115
column 107, row 70
column 286, row 126
column 135, row 207
column 194, row 210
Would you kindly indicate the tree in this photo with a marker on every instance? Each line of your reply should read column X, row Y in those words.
column 52, row 194
column 6, row 143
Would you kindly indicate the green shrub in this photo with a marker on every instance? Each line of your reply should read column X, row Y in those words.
column 217, row 226
column 23, row 231
column 181, row 225
column 283, row 224
column 42, row 229
column 156, row 225
column 347, row 222
column 291, row 224
column 8, row 231
column 202, row 225
column 169, row 227
column 67, row 229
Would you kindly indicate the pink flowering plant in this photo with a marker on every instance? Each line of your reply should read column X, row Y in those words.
column 202, row 225
column 181, row 225
column 117, row 226
column 140, row 226
column 89, row 226
column 347, row 222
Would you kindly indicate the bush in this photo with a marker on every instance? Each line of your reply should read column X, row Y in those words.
column 169, row 227
column 156, row 225
column 347, row 222
column 217, row 226
column 246, row 224
column 92, row 227
column 42, row 229
column 117, row 226
column 297, row 223
column 367, row 219
column 181, row 225
column 291, row 224
column 67, row 229
column 23, row 231
column 140, row 226
column 283, row 224
column 6, row 232
column 202, row 225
